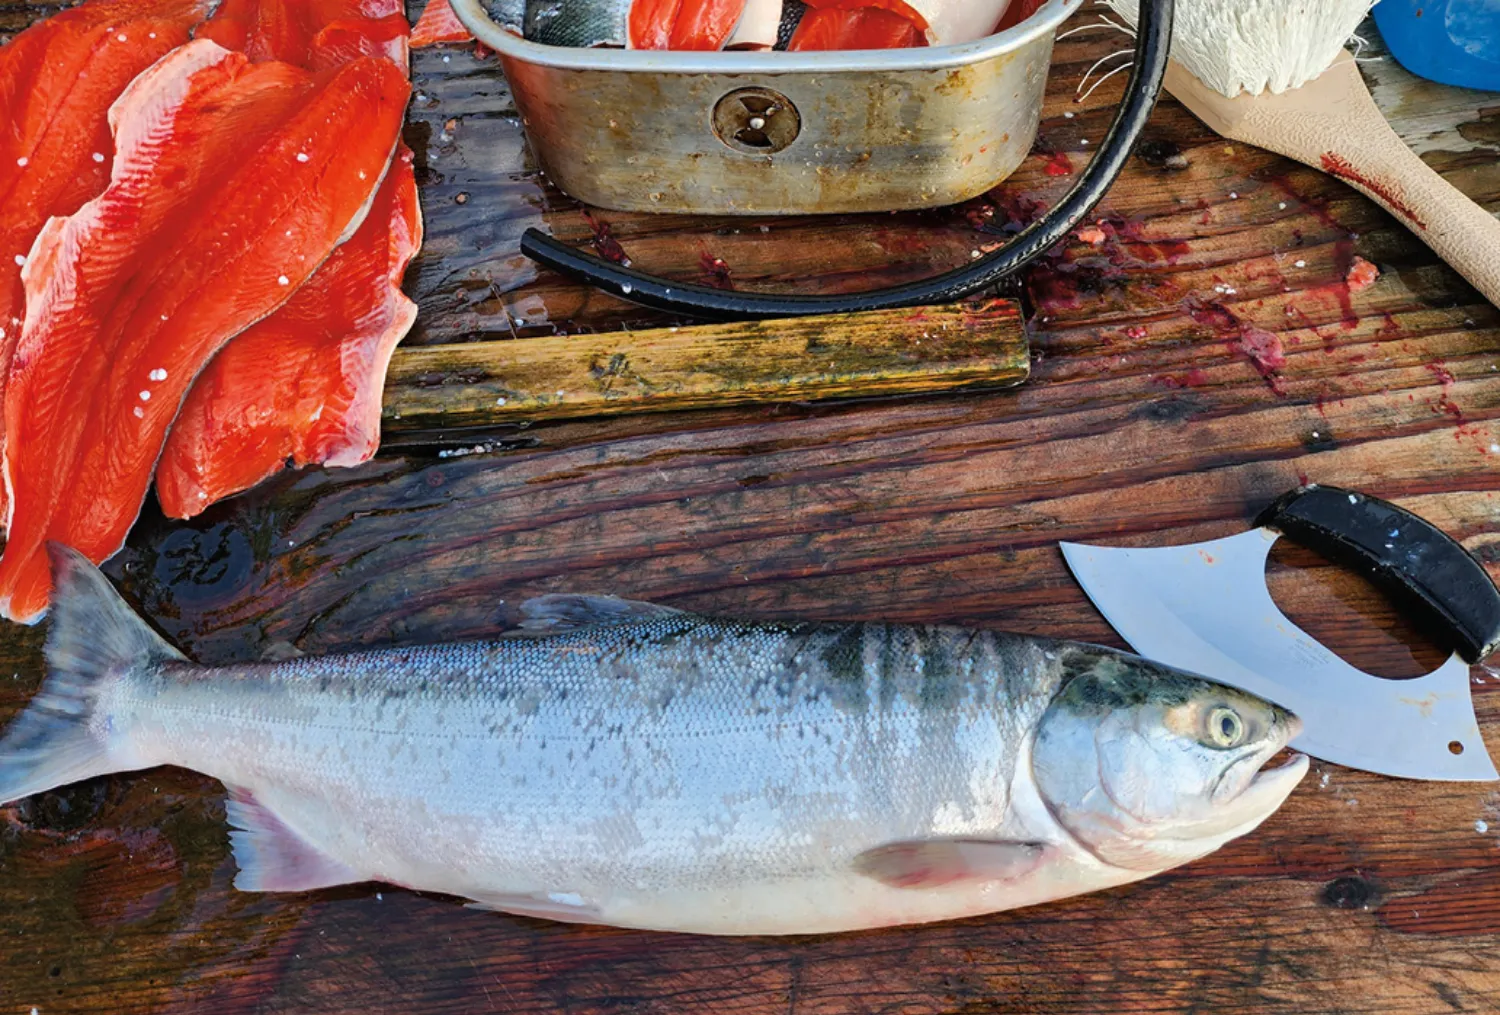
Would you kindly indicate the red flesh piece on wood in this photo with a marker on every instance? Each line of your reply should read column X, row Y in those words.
column 855, row 29
column 233, row 181
column 305, row 384
column 438, row 24
column 57, row 81
column 1362, row 274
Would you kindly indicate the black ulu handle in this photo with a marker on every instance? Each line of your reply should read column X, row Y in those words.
column 1426, row 570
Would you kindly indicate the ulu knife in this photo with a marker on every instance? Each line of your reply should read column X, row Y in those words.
column 1205, row 608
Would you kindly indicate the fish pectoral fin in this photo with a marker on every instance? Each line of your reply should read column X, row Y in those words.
column 564, row 907
column 933, row 863
column 273, row 858
column 561, row 613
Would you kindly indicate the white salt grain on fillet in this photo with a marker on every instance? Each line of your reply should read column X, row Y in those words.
column 22, row 161
column 302, row 156
column 145, row 396
column 158, row 374
column 21, row 260
column 283, row 280
column 98, row 156
column 139, row 412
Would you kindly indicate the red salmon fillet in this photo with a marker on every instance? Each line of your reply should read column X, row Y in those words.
column 436, row 24
column 290, row 30
column 305, row 384
column 327, row 348
column 57, row 80
column 862, row 28
column 683, row 24
column 232, row 182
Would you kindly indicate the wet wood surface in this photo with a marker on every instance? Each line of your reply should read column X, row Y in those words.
column 1154, row 413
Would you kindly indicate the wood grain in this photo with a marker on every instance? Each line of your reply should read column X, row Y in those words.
column 1145, row 420
column 898, row 352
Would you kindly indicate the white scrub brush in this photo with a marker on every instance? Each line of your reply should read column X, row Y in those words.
column 1275, row 74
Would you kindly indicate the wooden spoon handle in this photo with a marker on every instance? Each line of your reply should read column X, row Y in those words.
column 1332, row 124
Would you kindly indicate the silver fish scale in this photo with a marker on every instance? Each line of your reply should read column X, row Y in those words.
column 577, row 22
column 677, row 751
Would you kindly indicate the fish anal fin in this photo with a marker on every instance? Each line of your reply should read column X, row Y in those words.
column 563, row 907
column 934, row 863
column 272, row 857
column 562, row 613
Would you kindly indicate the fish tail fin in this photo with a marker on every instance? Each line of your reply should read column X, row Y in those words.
column 94, row 638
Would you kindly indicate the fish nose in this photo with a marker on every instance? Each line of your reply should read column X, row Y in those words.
column 1293, row 727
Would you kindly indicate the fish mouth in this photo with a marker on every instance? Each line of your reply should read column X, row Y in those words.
column 1271, row 786
column 1224, row 791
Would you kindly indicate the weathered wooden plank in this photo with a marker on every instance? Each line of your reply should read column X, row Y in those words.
column 898, row 352
column 1144, row 421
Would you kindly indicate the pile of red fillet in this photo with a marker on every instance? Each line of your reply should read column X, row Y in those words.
column 709, row 24
column 204, row 223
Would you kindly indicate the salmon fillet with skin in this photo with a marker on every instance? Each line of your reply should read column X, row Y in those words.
column 232, row 183
column 57, row 81
column 305, row 384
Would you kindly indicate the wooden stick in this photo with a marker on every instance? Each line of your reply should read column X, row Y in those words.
column 708, row 366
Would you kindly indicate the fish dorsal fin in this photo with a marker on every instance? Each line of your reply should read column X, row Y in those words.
column 273, row 858
column 280, row 652
column 561, row 613
column 933, row 863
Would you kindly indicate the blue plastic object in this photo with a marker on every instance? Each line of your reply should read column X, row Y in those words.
column 1455, row 42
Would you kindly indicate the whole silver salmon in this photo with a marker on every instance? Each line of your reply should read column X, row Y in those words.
column 633, row 765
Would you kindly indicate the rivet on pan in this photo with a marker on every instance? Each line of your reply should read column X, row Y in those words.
column 756, row 121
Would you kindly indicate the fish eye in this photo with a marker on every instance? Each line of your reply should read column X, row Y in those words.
column 1225, row 727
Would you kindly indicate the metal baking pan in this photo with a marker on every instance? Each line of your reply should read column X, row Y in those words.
column 757, row 133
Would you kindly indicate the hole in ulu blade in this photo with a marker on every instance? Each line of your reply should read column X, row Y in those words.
column 1348, row 614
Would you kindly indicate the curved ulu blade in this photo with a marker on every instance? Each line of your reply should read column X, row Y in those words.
column 1205, row 608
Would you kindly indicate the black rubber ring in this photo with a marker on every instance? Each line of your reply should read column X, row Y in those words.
column 1153, row 36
